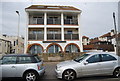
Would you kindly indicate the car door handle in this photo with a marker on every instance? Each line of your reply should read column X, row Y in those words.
column 99, row 64
column 114, row 62
column 13, row 66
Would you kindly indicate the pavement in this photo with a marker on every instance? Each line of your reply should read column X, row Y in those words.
column 50, row 75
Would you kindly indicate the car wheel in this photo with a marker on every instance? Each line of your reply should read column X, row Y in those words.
column 116, row 73
column 69, row 75
column 31, row 76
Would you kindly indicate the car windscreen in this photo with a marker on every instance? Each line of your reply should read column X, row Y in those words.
column 79, row 59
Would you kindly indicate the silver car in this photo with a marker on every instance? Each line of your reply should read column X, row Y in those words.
column 90, row 64
column 30, row 67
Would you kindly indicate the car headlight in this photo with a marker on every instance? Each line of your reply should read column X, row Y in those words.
column 58, row 67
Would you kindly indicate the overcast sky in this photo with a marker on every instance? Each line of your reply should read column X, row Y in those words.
column 96, row 17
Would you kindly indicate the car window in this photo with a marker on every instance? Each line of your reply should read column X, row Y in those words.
column 79, row 59
column 94, row 59
column 107, row 57
column 24, row 60
column 37, row 58
column 9, row 60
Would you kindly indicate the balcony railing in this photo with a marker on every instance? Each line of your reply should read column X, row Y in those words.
column 70, row 21
column 53, row 36
column 36, row 36
column 53, row 21
column 36, row 21
column 71, row 36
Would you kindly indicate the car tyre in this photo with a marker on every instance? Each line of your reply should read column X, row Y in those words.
column 69, row 75
column 30, row 76
column 116, row 73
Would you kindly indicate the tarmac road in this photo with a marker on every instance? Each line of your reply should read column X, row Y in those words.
column 50, row 75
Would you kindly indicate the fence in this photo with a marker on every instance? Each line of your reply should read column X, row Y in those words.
column 47, row 57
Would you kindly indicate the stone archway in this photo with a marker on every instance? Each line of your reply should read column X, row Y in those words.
column 72, row 47
column 35, row 48
column 54, row 48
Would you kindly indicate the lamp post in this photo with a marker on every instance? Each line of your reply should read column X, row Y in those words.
column 116, row 35
column 18, row 31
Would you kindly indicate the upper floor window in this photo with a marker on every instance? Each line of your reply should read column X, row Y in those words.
column 53, row 20
column 70, row 19
column 69, row 32
column 36, row 20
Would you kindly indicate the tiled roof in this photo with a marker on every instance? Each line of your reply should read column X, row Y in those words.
column 88, row 47
column 112, row 37
column 49, row 7
column 106, row 35
column 94, row 41
column 85, row 37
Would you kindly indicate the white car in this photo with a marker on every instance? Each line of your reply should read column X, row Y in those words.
column 30, row 67
column 90, row 64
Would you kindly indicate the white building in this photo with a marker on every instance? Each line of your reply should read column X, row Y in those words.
column 53, row 29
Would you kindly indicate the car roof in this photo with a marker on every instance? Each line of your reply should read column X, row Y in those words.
column 7, row 55
column 101, row 53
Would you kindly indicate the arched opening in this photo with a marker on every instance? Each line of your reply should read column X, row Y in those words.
column 72, row 48
column 35, row 49
column 54, row 48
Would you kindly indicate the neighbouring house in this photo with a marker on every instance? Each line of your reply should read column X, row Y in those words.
column 85, row 40
column 5, row 46
column 10, row 44
column 108, row 36
column 105, row 42
column 53, row 29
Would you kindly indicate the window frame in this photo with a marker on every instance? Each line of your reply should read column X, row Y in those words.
column 94, row 62
column 19, row 62
column 8, row 57
column 109, row 59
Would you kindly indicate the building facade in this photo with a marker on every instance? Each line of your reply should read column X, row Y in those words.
column 85, row 40
column 53, row 29
column 105, row 42
column 10, row 44
column 5, row 46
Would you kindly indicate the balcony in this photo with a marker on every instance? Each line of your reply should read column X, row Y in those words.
column 74, row 36
column 53, row 21
column 70, row 21
column 53, row 36
column 36, row 36
column 36, row 21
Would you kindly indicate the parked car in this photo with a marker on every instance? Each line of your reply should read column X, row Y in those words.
column 27, row 66
column 90, row 64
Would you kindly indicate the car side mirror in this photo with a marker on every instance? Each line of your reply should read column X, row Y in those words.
column 85, row 63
